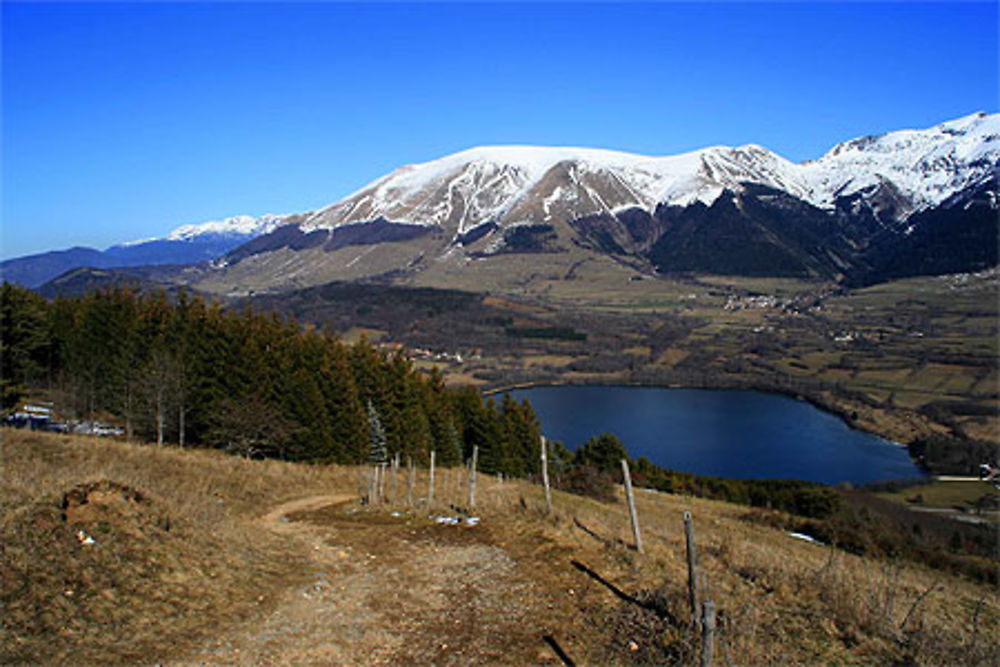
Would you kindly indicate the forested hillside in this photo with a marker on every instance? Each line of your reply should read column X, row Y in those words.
column 194, row 373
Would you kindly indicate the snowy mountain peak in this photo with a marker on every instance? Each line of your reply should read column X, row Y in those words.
column 926, row 166
column 235, row 227
column 466, row 189
column 239, row 225
column 962, row 133
column 508, row 184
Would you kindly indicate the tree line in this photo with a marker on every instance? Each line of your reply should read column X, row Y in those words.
column 595, row 467
column 191, row 372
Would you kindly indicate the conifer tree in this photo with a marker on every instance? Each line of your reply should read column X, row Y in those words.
column 24, row 341
column 304, row 403
column 248, row 382
column 347, row 417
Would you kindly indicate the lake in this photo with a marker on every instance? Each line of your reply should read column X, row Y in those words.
column 737, row 434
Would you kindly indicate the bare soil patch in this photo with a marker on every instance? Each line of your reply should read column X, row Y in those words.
column 397, row 588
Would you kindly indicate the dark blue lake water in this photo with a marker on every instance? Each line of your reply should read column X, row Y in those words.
column 737, row 434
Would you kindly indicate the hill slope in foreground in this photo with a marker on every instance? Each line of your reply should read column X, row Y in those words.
column 114, row 553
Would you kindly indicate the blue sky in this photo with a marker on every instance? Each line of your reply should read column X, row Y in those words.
column 123, row 121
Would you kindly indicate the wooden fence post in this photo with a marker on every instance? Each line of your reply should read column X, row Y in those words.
column 472, row 476
column 545, row 476
column 707, row 633
column 383, row 470
column 409, row 481
column 372, row 484
column 430, row 482
column 631, row 506
column 361, row 485
column 692, row 559
column 392, row 484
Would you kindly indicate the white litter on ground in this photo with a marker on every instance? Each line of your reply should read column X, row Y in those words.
column 84, row 538
column 807, row 538
column 454, row 520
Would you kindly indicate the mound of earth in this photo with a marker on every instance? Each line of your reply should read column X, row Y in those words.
column 105, row 560
column 110, row 508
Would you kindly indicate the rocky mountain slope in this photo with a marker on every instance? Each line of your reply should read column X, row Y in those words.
column 905, row 203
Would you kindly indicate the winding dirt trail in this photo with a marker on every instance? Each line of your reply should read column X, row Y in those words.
column 392, row 588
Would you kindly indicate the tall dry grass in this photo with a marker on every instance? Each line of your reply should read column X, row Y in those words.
column 166, row 572
column 160, row 594
column 781, row 600
column 36, row 464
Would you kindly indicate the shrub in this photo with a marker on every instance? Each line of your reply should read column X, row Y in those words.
column 585, row 480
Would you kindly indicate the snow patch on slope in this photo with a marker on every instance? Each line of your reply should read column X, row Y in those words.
column 465, row 190
column 239, row 225
column 927, row 166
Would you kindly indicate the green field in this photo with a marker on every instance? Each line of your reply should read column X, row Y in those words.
column 946, row 495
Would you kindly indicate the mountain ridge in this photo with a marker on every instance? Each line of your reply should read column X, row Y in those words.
column 187, row 244
column 512, row 172
column 841, row 217
column 836, row 217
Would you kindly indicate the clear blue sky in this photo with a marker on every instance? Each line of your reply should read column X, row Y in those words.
column 123, row 121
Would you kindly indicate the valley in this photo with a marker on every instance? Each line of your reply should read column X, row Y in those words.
column 909, row 360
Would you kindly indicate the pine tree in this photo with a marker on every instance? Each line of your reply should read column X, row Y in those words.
column 521, row 432
column 304, row 403
column 24, row 341
column 347, row 416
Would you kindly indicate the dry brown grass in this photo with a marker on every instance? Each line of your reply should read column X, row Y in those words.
column 781, row 600
column 149, row 593
column 168, row 570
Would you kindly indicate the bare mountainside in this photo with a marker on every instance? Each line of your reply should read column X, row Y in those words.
column 909, row 202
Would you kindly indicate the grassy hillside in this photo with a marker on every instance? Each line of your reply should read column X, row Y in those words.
column 192, row 562
column 177, row 555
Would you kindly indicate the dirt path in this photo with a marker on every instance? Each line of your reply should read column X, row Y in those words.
column 392, row 588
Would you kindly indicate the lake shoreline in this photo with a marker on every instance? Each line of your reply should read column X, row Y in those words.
column 844, row 414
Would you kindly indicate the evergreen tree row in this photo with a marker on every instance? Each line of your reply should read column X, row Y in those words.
column 191, row 372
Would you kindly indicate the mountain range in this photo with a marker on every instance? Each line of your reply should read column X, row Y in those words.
column 908, row 202
column 187, row 244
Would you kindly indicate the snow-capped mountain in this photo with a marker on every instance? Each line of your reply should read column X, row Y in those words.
column 719, row 209
column 516, row 184
column 243, row 227
column 534, row 184
column 187, row 244
column 901, row 203
column 925, row 166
